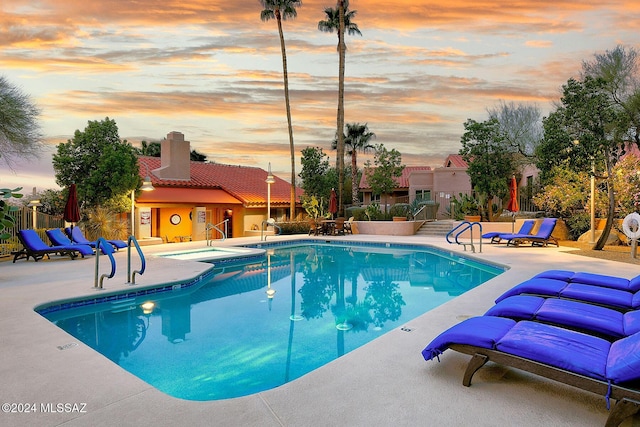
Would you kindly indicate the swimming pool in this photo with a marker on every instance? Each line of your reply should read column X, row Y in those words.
column 257, row 325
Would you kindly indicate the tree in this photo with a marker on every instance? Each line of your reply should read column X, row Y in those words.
column 154, row 149
column 490, row 162
column 520, row 126
column 315, row 165
column 620, row 71
column 587, row 130
column 281, row 10
column 340, row 20
column 20, row 135
column 101, row 165
column 356, row 139
column 388, row 166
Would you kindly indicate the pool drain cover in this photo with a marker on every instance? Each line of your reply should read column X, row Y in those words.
column 67, row 346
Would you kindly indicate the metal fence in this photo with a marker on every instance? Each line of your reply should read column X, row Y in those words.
column 23, row 219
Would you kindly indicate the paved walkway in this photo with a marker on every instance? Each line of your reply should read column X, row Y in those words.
column 386, row 382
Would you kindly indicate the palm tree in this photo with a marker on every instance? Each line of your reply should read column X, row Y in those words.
column 281, row 10
column 340, row 19
column 357, row 139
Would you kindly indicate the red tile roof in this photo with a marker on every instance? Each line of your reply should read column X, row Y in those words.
column 402, row 180
column 244, row 183
column 455, row 161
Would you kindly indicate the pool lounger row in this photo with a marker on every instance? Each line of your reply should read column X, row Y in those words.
column 577, row 343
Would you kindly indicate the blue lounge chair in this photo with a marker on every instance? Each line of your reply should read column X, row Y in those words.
column 525, row 228
column 542, row 238
column 594, row 294
column 37, row 249
column 592, row 319
column 569, row 357
column 614, row 282
column 76, row 235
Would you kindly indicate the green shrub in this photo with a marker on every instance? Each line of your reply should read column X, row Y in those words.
column 295, row 227
column 578, row 224
column 401, row 209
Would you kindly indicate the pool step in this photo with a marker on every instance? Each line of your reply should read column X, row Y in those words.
column 435, row 228
column 123, row 305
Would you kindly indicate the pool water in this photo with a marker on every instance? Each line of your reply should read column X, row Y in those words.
column 258, row 325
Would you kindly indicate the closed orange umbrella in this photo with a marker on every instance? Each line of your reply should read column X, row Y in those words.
column 513, row 206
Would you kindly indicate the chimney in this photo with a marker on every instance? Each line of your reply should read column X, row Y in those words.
column 175, row 158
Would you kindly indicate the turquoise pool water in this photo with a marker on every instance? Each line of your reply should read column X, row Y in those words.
column 257, row 325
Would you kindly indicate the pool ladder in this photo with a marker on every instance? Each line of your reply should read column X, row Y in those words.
column 210, row 227
column 269, row 222
column 131, row 277
column 104, row 247
column 461, row 228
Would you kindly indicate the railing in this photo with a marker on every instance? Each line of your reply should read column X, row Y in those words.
column 102, row 246
column 215, row 227
column 131, row 278
column 268, row 222
column 23, row 219
column 461, row 228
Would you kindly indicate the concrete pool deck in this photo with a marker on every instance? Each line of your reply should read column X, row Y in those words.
column 386, row 382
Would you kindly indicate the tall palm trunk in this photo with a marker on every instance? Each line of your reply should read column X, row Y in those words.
column 354, row 176
column 292, row 208
column 340, row 146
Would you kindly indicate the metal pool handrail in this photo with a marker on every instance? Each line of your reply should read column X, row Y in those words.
column 269, row 222
column 102, row 244
column 131, row 278
column 215, row 227
column 464, row 226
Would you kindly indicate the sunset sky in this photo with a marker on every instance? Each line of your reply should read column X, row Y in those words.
column 212, row 70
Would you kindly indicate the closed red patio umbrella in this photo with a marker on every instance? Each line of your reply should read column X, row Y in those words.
column 333, row 203
column 72, row 209
column 513, row 206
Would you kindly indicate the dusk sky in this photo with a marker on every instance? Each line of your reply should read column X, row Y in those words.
column 212, row 70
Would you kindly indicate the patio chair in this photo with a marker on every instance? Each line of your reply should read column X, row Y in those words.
column 314, row 227
column 348, row 229
column 35, row 248
column 75, row 234
column 587, row 362
column 525, row 228
column 338, row 228
column 542, row 238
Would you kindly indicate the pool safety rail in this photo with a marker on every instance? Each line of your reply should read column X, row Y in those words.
column 269, row 222
column 461, row 228
column 102, row 246
column 209, row 233
column 131, row 277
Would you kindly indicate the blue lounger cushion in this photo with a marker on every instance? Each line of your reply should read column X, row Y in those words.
column 576, row 352
column 76, row 235
column 616, row 298
column 496, row 236
column 565, row 349
column 631, row 285
column 567, row 313
column 561, row 348
column 623, row 364
column 536, row 286
column 482, row 332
